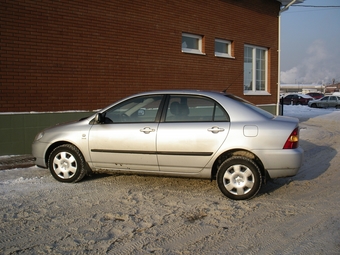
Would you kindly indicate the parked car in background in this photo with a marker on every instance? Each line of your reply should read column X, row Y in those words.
column 182, row 133
column 296, row 99
column 315, row 95
column 325, row 102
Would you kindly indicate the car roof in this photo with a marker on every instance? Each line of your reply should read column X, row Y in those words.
column 237, row 106
column 208, row 93
column 182, row 91
column 300, row 94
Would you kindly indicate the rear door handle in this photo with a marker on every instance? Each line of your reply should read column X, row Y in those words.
column 215, row 130
column 147, row 130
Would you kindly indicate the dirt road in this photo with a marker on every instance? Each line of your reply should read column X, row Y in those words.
column 129, row 214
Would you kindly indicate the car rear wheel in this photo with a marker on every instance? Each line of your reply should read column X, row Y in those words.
column 67, row 164
column 239, row 178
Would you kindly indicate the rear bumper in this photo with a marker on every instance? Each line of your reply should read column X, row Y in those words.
column 281, row 163
column 275, row 173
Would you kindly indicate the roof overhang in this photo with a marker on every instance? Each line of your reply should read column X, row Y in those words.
column 286, row 2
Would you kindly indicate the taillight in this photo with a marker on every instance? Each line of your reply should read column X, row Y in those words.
column 293, row 140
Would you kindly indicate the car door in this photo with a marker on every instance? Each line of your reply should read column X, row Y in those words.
column 332, row 101
column 191, row 131
column 126, row 138
column 288, row 99
column 337, row 102
column 323, row 102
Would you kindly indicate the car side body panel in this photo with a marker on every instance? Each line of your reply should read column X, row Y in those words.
column 325, row 102
column 123, row 146
column 178, row 148
column 74, row 133
column 188, row 147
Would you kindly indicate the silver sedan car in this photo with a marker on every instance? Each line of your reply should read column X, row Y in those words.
column 183, row 133
column 325, row 102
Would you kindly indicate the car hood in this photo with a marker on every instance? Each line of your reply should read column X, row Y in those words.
column 66, row 126
column 61, row 125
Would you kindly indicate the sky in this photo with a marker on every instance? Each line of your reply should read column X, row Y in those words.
column 310, row 43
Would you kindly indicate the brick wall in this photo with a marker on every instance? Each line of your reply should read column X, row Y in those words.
column 84, row 55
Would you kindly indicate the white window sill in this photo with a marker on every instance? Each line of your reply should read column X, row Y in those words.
column 223, row 55
column 190, row 51
column 256, row 93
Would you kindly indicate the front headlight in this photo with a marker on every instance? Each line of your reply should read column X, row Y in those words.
column 39, row 136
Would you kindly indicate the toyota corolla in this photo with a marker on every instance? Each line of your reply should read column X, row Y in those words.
column 183, row 133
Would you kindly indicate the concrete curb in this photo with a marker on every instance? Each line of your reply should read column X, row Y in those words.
column 16, row 161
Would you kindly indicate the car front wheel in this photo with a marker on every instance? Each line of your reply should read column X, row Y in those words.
column 67, row 164
column 239, row 178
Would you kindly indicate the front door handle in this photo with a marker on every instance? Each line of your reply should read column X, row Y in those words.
column 215, row 130
column 147, row 130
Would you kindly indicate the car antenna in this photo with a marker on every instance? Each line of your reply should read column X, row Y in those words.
column 232, row 82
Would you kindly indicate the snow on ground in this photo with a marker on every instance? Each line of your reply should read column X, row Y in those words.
column 131, row 214
column 304, row 112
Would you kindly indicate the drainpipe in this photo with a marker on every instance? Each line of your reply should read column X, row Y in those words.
column 285, row 8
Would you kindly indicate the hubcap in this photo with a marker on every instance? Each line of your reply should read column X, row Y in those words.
column 238, row 179
column 64, row 165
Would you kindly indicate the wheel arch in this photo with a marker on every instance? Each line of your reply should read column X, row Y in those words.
column 238, row 152
column 59, row 143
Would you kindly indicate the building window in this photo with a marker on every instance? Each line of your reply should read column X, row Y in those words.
column 255, row 70
column 222, row 48
column 192, row 43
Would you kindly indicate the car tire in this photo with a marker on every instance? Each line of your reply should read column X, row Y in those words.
column 67, row 164
column 239, row 178
column 313, row 105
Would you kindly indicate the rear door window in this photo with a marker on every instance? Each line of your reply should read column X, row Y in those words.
column 194, row 109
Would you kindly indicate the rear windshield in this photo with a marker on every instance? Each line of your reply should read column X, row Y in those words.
column 252, row 106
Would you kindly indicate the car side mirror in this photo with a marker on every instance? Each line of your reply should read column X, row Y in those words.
column 99, row 118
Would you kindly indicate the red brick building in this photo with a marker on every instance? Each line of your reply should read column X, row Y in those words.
column 84, row 55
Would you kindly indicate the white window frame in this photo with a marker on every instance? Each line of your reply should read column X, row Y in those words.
column 199, row 50
column 253, row 90
column 223, row 54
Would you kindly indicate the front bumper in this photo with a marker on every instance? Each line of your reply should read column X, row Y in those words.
column 38, row 151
